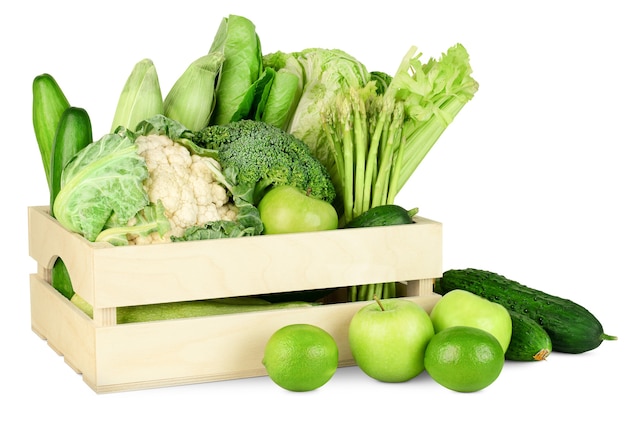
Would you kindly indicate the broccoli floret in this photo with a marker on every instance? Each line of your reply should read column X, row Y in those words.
column 265, row 156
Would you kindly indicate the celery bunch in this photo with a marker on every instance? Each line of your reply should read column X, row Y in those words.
column 378, row 138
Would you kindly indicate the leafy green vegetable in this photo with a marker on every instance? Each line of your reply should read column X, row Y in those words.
column 216, row 230
column 382, row 80
column 433, row 94
column 325, row 72
column 379, row 139
column 264, row 156
column 379, row 136
column 150, row 219
column 237, row 40
column 283, row 98
column 253, row 103
column 248, row 221
column 104, row 178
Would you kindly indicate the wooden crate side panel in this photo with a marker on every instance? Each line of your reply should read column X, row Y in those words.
column 48, row 240
column 66, row 329
column 264, row 264
column 107, row 276
column 145, row 355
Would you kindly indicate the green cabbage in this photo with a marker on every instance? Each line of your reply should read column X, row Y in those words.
column 104, row 179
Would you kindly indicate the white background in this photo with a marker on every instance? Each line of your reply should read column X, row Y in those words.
column 528, row 182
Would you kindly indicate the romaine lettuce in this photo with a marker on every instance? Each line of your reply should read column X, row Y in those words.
column 237, row 39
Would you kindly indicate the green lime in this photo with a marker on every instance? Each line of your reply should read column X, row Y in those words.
column 301, row 357
column 464, row 359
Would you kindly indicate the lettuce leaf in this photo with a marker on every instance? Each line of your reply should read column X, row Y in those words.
column 255, row 98
column 323, row 73
column 282, row 99
column 150, row 219
column 104, row 179
column 237, row 39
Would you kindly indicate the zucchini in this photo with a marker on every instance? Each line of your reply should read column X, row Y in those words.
column 529, row 341
column 571, row 327
column 383, row 215
column 72, row 135
column 49, row 103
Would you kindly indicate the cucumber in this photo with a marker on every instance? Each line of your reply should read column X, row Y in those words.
column 49, row 103
column 529, row 341
column 383, row 215
column 72, row 135
column 60, row 279
column 571, row 327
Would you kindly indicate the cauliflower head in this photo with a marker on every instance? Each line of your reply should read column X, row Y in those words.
column 185, row 185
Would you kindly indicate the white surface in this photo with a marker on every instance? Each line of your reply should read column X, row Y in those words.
column 528, row 182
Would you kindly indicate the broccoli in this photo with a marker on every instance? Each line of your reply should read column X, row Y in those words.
column 264, row 156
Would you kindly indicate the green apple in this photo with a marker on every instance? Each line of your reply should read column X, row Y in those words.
column 460, row 307
column 287, row 209
column 388, row 339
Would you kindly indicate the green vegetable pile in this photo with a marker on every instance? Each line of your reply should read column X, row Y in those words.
column 379, row 139
column 195, row 163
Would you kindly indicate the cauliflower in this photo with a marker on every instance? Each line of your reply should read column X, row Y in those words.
column 185, row 185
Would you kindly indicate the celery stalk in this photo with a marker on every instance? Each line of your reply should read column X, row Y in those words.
column 433, row 93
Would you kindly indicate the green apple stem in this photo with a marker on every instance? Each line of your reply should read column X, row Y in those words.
column 382, row 308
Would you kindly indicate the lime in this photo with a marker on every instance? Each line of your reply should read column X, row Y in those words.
column 301, row 357
column 463, row 358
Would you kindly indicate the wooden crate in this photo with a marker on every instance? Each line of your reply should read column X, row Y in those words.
column 143, row 355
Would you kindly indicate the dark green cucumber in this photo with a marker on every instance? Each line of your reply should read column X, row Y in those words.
column 383, row 215
column 529, row 341
column 60, row 279
column 571, row 327
column 73, row 134
column 49, row 103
